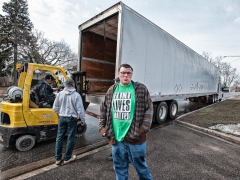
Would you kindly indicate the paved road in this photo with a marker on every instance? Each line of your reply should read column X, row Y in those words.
column 10, row 157
column 173, row 152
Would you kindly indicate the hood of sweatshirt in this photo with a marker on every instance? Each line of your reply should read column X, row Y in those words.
column 69, row 90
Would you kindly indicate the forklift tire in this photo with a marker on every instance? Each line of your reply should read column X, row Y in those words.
column 81, row 129
column 25, row 142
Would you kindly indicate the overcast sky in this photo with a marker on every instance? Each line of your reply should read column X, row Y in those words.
column 203, row 25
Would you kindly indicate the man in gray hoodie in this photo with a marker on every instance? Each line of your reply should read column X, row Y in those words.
column 69, row 106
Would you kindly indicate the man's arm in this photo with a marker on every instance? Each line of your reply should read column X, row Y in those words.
column 46, row 91
column 56, row 105
column 105, row 111
column 148, row 113
column 80, row 108
column 103, row 117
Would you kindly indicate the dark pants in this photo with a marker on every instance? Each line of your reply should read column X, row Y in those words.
column 65, row 125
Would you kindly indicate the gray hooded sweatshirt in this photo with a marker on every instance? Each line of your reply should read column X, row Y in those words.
column 69, row 103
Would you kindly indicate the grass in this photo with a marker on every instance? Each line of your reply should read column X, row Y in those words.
column 226, row 112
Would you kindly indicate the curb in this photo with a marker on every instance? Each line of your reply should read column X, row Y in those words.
column 228, row 137
column 14, row 172
column 225, row 136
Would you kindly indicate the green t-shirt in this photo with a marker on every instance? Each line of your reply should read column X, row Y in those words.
column 122, row 110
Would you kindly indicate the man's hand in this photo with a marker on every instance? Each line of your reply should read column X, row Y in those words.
column 55, row 89
column 104, row 134
column 102, row 131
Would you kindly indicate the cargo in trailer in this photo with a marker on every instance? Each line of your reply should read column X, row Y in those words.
column 170, row 69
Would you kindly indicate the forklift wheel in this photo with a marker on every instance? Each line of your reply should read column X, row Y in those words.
column 81, row 129
column 25, row 142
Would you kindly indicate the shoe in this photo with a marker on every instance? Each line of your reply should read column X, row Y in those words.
column 70, row 160
column 58, row 162
column 109, row 158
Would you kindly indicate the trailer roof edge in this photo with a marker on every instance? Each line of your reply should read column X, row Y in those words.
column 98, row 16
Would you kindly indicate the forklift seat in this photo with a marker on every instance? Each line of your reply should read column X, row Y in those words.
column 34, row 97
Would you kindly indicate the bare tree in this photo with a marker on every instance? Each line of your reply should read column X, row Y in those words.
column 53, row 52
column 208, row 55
column 227, row 73
column 236, row 85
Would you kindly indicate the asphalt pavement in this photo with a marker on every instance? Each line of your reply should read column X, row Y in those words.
column 174, row 151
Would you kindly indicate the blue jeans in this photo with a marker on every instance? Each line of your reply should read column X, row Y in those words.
column 65, row 125
column 124, row 152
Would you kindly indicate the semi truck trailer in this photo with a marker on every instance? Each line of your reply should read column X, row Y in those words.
column 169, row 68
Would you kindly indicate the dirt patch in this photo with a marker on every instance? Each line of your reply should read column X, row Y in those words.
column 226, row 112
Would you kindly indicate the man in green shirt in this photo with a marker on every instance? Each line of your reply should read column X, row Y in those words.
column 126, row 117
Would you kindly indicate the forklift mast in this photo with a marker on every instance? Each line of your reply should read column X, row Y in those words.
column 79, row 78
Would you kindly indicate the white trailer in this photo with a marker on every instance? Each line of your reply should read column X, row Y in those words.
column 170, row 69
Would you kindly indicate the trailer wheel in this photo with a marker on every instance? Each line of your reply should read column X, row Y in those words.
column 173, row 109
column 211, row 99
column 162, row 111
column 25, row 142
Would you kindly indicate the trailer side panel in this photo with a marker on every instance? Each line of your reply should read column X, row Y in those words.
column 163, row 63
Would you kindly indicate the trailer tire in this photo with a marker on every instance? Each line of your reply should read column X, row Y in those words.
column 25, row 142
column 172, row 109
column 162, row 111
column 211, row 99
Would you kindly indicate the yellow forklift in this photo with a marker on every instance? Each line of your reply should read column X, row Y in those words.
column 24, row 122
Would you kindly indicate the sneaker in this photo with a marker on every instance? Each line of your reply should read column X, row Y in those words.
column 70, row 160
column 58, row 162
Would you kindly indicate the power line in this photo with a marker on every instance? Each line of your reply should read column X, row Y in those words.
column 230, row 56
column 48, row 15
column 57, row 24
column 234, row 60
